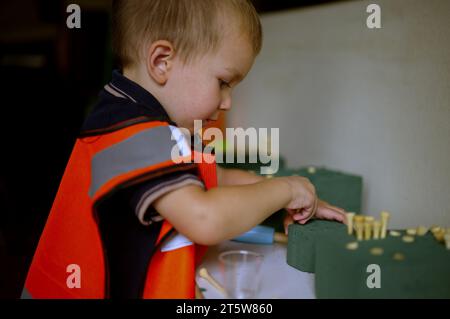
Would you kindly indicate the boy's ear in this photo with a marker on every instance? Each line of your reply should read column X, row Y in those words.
column 159, row 60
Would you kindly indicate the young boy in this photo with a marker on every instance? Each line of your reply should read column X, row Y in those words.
column 127, row 215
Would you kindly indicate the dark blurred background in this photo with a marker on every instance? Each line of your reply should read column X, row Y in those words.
column 50, row 77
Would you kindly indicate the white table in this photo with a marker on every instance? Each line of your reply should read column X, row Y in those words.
column 278, row 279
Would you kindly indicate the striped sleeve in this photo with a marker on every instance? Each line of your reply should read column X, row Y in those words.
column 147, row 193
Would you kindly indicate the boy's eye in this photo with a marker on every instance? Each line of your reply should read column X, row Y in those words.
column 224, row 84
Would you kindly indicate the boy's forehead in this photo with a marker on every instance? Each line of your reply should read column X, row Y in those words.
column 235, row 59
column 236, row 46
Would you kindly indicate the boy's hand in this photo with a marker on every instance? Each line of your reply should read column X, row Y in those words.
column 304, row 202
column 324, row 211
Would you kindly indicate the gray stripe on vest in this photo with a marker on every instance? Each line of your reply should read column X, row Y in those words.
column 26, row 294
column 143, row 149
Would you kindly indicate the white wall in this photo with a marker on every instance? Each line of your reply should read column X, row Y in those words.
column 371, row 102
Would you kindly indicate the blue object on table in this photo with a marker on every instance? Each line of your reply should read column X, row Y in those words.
column 257, row 235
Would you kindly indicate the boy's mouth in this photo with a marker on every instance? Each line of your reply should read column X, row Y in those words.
column 208, row 122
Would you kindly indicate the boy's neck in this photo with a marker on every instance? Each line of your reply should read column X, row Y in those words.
column 139, row 75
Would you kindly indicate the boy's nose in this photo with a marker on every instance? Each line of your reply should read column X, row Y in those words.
column 225, row 105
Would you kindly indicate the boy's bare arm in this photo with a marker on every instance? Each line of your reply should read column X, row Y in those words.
column 241, row 177
column 209, row 217
column 231, row 176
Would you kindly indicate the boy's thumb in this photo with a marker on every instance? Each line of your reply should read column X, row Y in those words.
column 286, row 222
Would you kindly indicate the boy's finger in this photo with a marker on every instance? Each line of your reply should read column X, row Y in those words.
column 302, row 219
column 335, row 208
column 287, row 221
column 310, row 214
column 327, row 213
column 299, row 216
column 338, row 209
column 340, row 215
column 303, row 214
column 316, row 206
column 291, row 211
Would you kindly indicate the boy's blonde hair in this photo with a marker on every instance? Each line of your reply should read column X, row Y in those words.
column 193, row 26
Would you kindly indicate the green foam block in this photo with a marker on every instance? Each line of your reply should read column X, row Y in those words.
column 320, row 247
column 301, row 248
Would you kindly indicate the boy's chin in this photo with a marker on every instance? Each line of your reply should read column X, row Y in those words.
column 205, row 124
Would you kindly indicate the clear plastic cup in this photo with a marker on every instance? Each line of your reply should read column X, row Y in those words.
column 241, row 273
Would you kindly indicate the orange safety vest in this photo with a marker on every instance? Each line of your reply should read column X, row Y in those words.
column 71, row 234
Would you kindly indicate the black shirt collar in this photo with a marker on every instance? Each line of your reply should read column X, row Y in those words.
column 137, row 93
column 121, row 103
